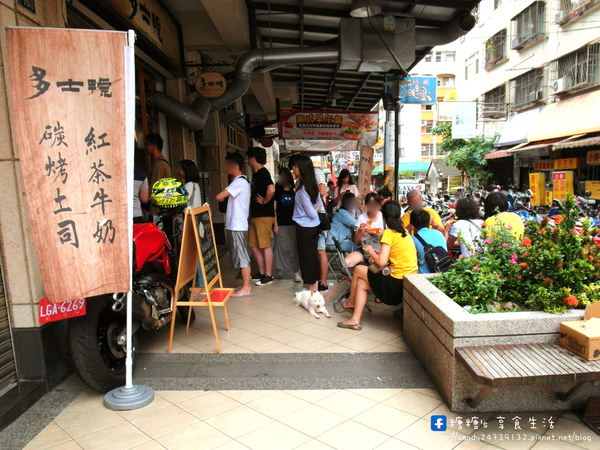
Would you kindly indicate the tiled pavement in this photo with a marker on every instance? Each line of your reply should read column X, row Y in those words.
column 316, row 419
column 353, row 419
column 268, row 322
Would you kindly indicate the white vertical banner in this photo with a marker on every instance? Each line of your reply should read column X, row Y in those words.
column 464, row 123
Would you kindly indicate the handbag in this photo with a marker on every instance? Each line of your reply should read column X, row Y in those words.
column 324, row 223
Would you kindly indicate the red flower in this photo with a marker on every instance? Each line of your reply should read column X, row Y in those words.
column 542, row 230
column 572, row 301
column 591, row 257
column 548, row 280
column 558, row 219
column 526, row 242
column 524, row 264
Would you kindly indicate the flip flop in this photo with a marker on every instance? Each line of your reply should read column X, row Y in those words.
column 238, row 295
column 350, row 326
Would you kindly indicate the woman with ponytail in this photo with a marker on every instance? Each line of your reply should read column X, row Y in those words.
column 397, row 257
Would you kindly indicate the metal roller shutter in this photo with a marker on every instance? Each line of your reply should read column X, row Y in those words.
column 8, row 374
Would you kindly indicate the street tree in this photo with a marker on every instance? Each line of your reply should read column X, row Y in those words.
column 467, row 155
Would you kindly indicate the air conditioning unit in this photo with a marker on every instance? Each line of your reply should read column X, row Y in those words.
column 539, row 95
column 560, row 17
column 559, row 85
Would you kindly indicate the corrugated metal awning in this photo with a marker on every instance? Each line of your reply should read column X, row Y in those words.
column 587, row 142
column 498, row 154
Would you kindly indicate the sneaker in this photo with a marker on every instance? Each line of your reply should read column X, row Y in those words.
column 323, row 287
column 297, row 277
column 266, row 279
column 257, row 276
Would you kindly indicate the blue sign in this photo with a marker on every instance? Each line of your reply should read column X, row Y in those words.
column 439, row 423
column 422, row 90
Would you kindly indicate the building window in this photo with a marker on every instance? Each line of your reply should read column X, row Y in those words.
column 528, row 88
column 426, row 150
column 450, row 57
column 428, row 107
column 529, row 25
column 497, row 4
column 428, row 57
column 571, row 9
column 447, row 81
column 575, row 70
column 472, row 65
column 427, row 127
column 494, row 103
column 495, row 49
column 438, row 56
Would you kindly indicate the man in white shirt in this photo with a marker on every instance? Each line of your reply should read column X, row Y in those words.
column 238, row 195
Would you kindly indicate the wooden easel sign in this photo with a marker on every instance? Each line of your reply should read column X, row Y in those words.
column 199, row 254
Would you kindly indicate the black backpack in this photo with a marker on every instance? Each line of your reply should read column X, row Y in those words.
column 436, row 258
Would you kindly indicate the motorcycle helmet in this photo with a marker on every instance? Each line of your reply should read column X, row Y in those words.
column 169, row 195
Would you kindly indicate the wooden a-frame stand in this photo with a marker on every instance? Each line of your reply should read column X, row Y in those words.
column 198, row 247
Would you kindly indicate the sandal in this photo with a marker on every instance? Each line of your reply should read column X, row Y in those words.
column 350, row 326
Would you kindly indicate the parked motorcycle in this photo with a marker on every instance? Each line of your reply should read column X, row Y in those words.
column 98, row 339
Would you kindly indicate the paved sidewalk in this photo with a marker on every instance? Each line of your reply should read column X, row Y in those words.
column 268, row 322
column 299, row 419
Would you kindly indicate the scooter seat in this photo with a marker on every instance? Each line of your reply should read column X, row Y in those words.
column 150, row 278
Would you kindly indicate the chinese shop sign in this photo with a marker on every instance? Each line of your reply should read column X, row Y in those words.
column 68, row 116
column 364, row 170
column 151, row 18
column 330, row 125
column 562, row 185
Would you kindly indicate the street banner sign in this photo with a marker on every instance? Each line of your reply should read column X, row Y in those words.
column 330, row 125
column 464, row 123
column 421, row 90
column 67, row 98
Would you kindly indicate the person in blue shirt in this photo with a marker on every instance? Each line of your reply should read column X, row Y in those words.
column 343, row 224
column 420, row 220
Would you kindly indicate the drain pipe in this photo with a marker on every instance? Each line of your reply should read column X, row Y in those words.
column 430, row 37
column 195, row 116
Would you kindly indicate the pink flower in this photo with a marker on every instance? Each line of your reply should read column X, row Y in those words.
column 513, row 258
column 476, row 268
column 508, row 227
column 498, row 275
column 519, row 277
column 487, row 241
column 504, row 244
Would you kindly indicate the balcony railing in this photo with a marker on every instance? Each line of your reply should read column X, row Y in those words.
column 571, row 9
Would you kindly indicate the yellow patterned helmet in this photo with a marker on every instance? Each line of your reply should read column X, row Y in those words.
column 169, row 194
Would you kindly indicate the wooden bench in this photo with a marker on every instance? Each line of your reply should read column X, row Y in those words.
column 509, row 365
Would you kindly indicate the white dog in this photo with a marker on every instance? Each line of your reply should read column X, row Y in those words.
column 313, row 302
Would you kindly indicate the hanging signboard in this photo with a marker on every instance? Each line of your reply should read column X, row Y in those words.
column 68, row 121
column 330, row 125
column 544, row 165
column 594, row 188
column 211, row 84
column 422, row 90
column 318, row 145
column 567, row 163
column 464, row 122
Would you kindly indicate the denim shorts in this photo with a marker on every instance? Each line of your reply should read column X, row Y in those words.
column 321, row 243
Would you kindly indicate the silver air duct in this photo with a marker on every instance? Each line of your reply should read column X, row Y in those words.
column 360, row 49
column 430, row 37
column 195, row 116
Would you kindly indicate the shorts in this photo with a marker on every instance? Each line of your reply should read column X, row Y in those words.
column 321, row 244
column 261, row 232
column 238, row 248
column 388, row 289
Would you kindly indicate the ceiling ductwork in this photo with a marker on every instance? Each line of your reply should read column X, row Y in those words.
column 366, row 45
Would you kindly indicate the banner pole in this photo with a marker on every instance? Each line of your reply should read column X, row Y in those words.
column 130, row 396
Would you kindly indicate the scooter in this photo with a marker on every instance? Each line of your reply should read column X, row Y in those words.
column 98, row 339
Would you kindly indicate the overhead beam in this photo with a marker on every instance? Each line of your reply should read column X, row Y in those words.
column 291, row 27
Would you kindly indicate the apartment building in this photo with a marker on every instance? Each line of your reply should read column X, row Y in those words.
column 532, row 66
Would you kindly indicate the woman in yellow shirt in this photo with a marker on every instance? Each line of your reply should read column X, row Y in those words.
column 498, row 216
column 398, row 253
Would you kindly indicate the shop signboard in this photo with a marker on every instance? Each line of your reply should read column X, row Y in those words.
column 153, row 20
column 421, row 90
column 544, row 165
column 594, row 188
column 567, row 163
column 330, row 125
column 454, row 183
column 548, row 197
column 69, row 126
column 593, row 157
column 537, row 185
column 562, row 185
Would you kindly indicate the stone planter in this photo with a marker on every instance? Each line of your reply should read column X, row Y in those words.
column 434, row 326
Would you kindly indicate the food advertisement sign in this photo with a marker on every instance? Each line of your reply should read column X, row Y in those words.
column 330, row 125
column 69, row 125
column 421, row 90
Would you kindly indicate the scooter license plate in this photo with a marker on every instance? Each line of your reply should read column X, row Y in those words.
column 51, row 312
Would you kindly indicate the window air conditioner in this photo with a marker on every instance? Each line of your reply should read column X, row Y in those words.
column 559, row 85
